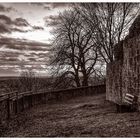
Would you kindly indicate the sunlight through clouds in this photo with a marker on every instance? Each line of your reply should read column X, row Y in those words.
column 25, row 36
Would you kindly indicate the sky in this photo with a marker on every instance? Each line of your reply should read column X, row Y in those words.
column 25, row 36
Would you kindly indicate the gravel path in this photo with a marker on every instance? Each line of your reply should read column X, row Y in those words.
column 89, row 116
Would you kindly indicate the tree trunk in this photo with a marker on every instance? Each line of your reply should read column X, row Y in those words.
column 77, row 83
column 85, row 80
column 77, row 80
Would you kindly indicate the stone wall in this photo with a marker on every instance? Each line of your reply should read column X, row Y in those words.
column 113, row 82
column 131, row 66
column 123, row 75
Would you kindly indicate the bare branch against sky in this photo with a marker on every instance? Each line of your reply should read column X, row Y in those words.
column 26, row 35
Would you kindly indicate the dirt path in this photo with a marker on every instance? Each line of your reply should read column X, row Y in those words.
column 80, row 117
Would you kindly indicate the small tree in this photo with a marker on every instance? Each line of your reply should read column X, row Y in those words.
column 27, row 80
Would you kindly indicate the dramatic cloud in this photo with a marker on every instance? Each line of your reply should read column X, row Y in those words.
column 46, row 7
column 60, row 5
column 22, row 42
column 5, row 9
column 52, row 6
column 20, row 22
column 5, row 19
column 7, row 25
column 51, row 20
column 37, row 28
column 23, row 52
column 4, row 28
column 22, row 31
column 14, row 29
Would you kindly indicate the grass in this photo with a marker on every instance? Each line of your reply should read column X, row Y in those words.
column 89, row 116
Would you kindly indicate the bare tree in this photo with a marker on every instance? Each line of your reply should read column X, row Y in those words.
column 113, row 22
column 74, row 47
column 28, row 80
column 63, row 81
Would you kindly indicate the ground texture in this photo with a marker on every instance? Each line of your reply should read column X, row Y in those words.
column 89, row 116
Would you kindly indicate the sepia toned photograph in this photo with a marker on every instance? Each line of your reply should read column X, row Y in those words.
column 69, row 69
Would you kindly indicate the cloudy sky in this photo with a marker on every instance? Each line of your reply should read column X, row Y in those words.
column 25, row 36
